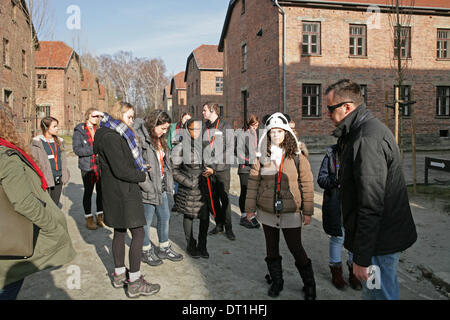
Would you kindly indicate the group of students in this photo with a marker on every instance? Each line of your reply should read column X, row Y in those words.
column 136, row 165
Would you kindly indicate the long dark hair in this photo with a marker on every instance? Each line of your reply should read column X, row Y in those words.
column 45, row 125
column 154, row 119
column 289, row 145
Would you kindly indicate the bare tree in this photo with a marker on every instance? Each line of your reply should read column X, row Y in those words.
column 153, row 79
column 400, row 20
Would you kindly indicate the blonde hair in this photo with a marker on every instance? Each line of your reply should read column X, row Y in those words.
column 119, row 109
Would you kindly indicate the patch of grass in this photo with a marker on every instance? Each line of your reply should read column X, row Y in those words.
column 432, row 190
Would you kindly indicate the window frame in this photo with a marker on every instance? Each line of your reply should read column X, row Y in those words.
column 41, row 80
column 318, row 34
column 408, row 48
column 356, row 37
column 244, row 55
column 446, row 98
column 219, row 84
column 443, row 40
column 309, row 106
column 6, row 53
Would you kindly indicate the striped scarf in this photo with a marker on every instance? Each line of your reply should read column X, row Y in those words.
column 128, row 135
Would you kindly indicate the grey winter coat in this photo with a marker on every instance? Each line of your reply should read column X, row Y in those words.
column 152, row 187
column 40, row 155
column 82, row 148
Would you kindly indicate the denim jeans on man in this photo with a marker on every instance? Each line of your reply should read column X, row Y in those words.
column 163, row 216
column 11, row 291
column 336, row 244
column 388, row 289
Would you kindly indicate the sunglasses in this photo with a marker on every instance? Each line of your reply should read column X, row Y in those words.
column 334, row 107
column 95, row 116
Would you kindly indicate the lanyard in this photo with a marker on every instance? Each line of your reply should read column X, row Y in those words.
column 211, row 143
column 55, row 154
column 161, row 157
column 279, row 174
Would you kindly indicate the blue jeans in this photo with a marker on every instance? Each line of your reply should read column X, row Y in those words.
column 163, row 218
column 11, row 291
column 175, row 186
column 336, row 244
column 388, row 286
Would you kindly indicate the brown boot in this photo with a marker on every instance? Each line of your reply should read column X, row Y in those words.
column 354, row 282
column 337, row 278
column 90, row 223
column 100, row 222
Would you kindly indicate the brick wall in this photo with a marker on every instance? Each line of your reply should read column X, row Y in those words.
column 263, row 77
column 12, row 76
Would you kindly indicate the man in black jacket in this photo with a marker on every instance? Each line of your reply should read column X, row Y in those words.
column 376, row 214
column 219, row 138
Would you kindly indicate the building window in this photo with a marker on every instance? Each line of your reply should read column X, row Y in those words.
column 43, row 111
column 182, row 101
column 404, row 93
column 364, row 92
column 311, row 38
column 405, row 42
column 24, row 62
column 243, row 7
column 8, row 97
column 24, row 106
column 6, row 56
column 220, row 110
column 443, row 43
column 219, row 84
column 443, row 101
column 358, row 43
column 311, row 100
column 42, row 81
column 244, row 58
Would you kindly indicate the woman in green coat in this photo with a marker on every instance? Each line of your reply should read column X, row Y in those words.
column 25, row 187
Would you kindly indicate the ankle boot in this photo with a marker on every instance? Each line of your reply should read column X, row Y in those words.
column 336, row 277
column 192, row 250
column 307, row 274
column 355, row 284
column 90, row 223
column 100, row 222
column 275, row 276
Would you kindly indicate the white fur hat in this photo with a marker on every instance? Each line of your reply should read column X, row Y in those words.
column 276, row 120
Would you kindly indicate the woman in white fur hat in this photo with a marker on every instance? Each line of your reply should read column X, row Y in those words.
column 281, row 195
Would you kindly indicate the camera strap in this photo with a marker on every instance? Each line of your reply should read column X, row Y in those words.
column 279, row 173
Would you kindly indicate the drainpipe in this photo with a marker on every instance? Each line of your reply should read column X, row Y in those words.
column 284, row 53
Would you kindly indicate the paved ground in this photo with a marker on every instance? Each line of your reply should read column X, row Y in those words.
column 236, row 269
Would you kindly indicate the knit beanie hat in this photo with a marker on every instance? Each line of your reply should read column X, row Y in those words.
column 276, row 120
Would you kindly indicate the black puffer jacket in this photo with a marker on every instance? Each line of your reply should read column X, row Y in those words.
column 327, row 180
column 187, row 163
column 375, row 206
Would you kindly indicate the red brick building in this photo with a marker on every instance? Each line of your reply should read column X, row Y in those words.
column 330, row 40
column 90, row 92
column 204, row 78
column 102, row 98
column 58, row 84
column 178, row 93
column 17, row 62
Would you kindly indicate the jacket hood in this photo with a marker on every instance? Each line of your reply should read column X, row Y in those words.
column 35, row 141
column 140, row 128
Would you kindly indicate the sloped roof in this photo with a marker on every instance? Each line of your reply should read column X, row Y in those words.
column 431, row 6
column 53, row 54
column 207, row 57
column 177, row 82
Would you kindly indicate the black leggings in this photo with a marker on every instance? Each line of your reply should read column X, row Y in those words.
column 89, row 184
column 243, row 179
column 293, row 237
column 118, row 248
column 202, row 231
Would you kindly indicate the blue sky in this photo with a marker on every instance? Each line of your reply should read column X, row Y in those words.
column 167, row 29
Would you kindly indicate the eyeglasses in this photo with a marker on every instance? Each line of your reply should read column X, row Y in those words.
column 334, row 107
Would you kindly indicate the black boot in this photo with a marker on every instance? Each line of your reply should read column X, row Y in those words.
column 192, row 250
column 275, row 276
column 307, row 274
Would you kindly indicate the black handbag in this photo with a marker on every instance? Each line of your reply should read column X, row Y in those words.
column 17, row 233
